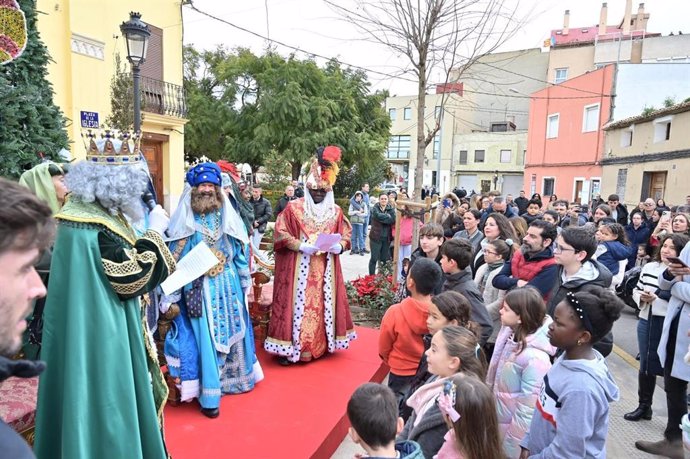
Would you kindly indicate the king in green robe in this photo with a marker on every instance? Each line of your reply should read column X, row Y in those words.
column 102, row 393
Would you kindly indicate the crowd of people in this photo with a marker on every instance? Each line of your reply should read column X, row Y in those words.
column 496, row 346
column 530, row 320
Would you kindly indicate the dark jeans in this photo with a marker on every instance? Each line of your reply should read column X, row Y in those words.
column 648, row 337
column 676, row 389
column 399, row 385
column 379, row 252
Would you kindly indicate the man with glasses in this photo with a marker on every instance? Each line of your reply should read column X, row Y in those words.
column 533, row 264
column 573, row 251
column 618, row 211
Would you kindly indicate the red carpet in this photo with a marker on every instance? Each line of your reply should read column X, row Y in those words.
column 295, row 412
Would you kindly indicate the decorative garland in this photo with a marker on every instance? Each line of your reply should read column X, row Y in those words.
column 13, row 36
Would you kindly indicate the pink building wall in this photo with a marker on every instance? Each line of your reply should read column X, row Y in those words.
column 573, row 155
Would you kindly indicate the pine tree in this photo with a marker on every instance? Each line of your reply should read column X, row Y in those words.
column 31, row 125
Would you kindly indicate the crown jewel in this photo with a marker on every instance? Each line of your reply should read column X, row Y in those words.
column 112, row 147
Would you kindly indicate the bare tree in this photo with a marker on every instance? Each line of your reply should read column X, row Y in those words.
column 435, row 36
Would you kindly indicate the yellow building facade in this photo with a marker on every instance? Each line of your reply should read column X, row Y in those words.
column 83, row 38
column 648, row 156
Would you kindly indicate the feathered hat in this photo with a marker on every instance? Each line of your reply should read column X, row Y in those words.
column 324, row 168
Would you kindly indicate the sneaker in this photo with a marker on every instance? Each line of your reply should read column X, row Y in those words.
column 362, row 253
column 365, row 251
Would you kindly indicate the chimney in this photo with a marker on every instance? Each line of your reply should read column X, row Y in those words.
column 566, row 22
column 602, row 19
column 641, row 22
column 627, row 17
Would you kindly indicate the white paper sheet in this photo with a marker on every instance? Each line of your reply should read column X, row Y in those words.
column 326, row 241
column 193, row 265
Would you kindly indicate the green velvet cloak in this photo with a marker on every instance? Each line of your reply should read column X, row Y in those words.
column 96, row 398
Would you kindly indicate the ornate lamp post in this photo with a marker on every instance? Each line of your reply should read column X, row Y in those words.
column 137, row 35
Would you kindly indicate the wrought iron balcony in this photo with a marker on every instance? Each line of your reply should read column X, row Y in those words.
column 163, row 98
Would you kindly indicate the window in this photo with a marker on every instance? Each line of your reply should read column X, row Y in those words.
column 552, row 126
column 486, row 186
column 478, row 156
column 437, row 145
column 590, row 118
column 505, row 156
column 398, row 147
column 407, row 113
column 549, row 184
column 463, row 156
column 627, row 137
column 392, row 113
column 561, row 75
column 662, row 129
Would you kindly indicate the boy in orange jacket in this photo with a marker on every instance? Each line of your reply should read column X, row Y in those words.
column 404, row 324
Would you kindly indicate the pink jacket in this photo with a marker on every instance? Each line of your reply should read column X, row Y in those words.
column 516, row 380
column 406, row 230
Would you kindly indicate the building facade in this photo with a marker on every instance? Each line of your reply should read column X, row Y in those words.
column 648, row 156
column 485, row 161
column 402, row 146
column 565, row 137
column 83, row 39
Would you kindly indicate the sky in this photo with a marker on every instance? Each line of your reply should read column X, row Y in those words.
column 315, row 29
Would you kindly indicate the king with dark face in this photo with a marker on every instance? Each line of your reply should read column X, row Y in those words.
column 317, row 194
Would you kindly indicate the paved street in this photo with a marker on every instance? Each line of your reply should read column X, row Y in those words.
column 622, row 364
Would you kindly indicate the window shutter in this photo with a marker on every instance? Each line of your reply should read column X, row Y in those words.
column 153, row 66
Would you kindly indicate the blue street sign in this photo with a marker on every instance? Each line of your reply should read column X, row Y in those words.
column 89, row 120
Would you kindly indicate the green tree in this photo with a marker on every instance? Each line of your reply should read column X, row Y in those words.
column 121, row 99
column 284, row 105
column 31, row 125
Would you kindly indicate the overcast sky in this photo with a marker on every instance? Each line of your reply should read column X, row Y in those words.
column 313, row 27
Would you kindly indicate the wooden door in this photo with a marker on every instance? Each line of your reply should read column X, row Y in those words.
column 153, row 152
column 657, row 185
column 578, row 191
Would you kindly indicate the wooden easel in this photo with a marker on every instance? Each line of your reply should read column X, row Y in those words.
column 428, row 206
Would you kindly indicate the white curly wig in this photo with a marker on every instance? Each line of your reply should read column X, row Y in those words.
column 117, row 188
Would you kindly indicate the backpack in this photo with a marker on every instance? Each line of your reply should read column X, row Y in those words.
column 624, row 291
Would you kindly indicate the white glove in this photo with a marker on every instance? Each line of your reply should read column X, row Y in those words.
column 158, row 220
column 335, row 248
column 163, row 307
column 308, row 249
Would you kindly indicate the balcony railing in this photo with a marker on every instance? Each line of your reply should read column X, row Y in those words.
column 163, row 98
column 159, row 96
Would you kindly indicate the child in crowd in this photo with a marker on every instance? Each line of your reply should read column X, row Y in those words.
column 470, row 412
column 572, row 413
column 447, row 308
column 521, row 358
column 642, row 256
column 533, row 211
column 404, row 324
column 456, row 255
column 453, row 349
column 612, row 246
column 495, row 254
column 430, row 241
column 405, row 252
column 373, row 414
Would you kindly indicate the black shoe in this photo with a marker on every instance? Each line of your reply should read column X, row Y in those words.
column 666, row 448
column 641, row 412
column 362, row 253
column 365, row 251
column 284, row 361
column 354, row 252
column 210, row 412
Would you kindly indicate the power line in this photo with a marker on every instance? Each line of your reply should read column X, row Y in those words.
column 399, row 77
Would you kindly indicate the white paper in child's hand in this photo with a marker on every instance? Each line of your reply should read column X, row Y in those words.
column 326, row 241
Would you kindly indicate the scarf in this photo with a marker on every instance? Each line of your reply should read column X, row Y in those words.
column 490, row 267
column 357, row 205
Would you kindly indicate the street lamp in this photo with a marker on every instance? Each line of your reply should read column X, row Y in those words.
column 137, row 35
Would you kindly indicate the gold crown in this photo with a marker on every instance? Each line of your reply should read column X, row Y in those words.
column 111, row 147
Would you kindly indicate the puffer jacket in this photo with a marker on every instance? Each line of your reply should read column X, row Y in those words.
column 516, row 380
column 262, row 212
